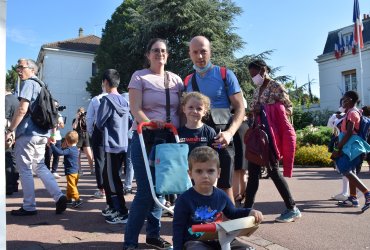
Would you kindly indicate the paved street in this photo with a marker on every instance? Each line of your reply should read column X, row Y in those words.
column 323, row 225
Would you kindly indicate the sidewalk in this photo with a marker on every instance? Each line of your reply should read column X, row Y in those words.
column 323, row 225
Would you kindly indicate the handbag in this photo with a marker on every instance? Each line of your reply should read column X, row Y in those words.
column 257, row 149
column 171, row 168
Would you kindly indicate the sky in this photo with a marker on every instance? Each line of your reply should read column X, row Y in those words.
column 295, row 30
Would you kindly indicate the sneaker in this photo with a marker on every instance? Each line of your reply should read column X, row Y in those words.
column 80, row 172
column 69, row 202
column 77, row 203
column 108, row 211
column 350, row 202
column 99, row 194
column 117, row 218
column 159, row 243
column 127, row 190
column 22, row 212
column 56, row 175
column 367, row 202
column 289, row 215
column 339, row 197
column 61, row 205
column 92, row 172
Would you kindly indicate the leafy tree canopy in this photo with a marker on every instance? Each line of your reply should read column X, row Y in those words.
column 135, row 22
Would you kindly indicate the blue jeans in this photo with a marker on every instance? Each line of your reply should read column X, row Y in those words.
column 143, row 206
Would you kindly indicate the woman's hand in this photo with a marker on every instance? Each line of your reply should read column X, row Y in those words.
column 160, row 124
column 335, row 155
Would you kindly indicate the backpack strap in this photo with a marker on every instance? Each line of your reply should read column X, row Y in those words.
column 187, row 79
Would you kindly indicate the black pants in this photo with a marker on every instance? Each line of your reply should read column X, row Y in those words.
column 48, row 153
column 11, row 173
column 99, row 156
column 112, row 181
column 279, row 181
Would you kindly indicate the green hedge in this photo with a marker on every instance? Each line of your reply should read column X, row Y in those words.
column 313, row 155
column 314, row 136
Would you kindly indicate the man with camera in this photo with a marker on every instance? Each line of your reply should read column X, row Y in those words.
column 58, row 138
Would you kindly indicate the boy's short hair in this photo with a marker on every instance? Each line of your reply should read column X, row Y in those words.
column 71, row 137
column 203, row 154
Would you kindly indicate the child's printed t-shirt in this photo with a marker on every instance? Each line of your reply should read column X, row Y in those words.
column 193, row 208
column 203, row 136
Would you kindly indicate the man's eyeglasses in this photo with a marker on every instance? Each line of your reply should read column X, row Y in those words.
column 158, row 50
column 21, row 67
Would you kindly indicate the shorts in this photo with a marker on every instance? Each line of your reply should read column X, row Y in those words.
column 240, row 160
column 83, row 140
column 344, row 165
column 226, row 157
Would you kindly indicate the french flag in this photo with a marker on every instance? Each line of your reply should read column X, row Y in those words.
column 358, row 24
column 336, row 51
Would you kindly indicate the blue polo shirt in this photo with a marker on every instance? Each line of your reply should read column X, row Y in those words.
column 212, row 85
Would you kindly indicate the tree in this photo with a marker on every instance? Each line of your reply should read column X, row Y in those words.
column 135, row 22
column 12, row 77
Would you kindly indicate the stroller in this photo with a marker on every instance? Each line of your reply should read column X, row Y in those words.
column 170, row 165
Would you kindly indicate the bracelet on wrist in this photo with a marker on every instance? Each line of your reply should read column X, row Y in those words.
column 52, row 135
column 146, row 120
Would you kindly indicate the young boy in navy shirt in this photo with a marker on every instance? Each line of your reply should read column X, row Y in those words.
column 203, row 203
column 70, row 152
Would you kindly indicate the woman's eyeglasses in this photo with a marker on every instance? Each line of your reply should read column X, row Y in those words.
column 158, row 50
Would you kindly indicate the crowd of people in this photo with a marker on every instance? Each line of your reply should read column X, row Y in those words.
column 209, row 111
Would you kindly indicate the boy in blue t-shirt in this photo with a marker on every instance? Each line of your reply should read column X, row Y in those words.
column 70, row 152
column 203, row 203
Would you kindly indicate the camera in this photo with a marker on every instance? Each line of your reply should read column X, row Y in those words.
column 61, row 108
column 83, row 114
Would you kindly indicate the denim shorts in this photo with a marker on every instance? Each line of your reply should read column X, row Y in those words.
column 345, row 166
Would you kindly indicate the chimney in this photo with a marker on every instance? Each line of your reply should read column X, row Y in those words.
column 80, row 32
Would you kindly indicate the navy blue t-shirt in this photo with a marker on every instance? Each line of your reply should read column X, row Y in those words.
column 203, row 136
column 70, row 158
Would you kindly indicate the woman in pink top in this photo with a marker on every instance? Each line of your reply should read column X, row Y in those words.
column 148, row 103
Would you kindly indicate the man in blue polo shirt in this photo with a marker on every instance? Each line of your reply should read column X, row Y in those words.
column 30, row 144
column 210, row 83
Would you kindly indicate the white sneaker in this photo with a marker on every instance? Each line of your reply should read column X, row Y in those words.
column 56, row 175
column 117, row 218
column 339, row 197
column 99, row 194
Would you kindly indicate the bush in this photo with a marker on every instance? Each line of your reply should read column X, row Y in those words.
column 313, row 155
column 302, row 119
column 314, row 136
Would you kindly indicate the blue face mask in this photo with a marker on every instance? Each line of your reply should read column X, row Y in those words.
column 202, row 70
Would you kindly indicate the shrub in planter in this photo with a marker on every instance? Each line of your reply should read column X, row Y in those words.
column 314, row 135
column 313, row 155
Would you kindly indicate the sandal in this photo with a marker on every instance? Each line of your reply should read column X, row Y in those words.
column 239, row 199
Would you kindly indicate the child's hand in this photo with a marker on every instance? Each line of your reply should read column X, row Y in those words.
column 257, row 215
column 51, row 140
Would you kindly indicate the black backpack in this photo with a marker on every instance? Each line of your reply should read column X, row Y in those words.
column 44, row 112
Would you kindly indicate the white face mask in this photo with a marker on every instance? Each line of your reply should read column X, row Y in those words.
column 258, row 80
column 341, row 109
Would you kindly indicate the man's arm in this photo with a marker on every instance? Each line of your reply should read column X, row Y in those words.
column 90, row 117
column 225, row 137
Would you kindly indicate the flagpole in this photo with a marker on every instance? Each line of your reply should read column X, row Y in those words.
column 361, row 69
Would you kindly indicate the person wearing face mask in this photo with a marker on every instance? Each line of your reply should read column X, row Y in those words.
column 210, row 83
column 349, row 152
column 96, row 141
column 268, row 95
